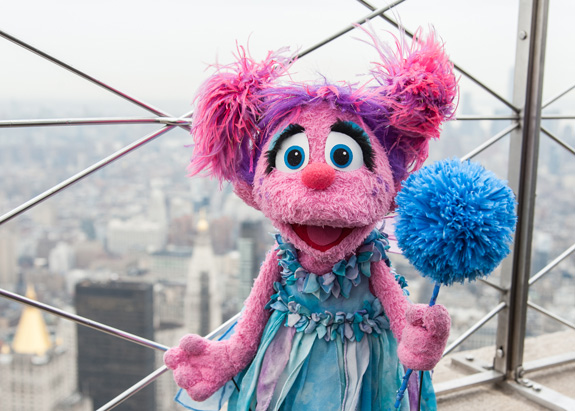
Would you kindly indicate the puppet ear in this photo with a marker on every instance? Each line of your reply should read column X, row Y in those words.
column 225, row 121
column 419, row 89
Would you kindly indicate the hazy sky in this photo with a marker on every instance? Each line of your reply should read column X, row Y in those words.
column 158, row 51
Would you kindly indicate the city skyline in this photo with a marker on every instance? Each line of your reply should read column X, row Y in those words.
column 79, row 232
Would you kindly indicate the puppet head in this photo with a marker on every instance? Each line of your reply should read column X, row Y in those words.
column 323, row 162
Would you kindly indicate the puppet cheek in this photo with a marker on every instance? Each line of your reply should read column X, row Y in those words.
column 244, row 191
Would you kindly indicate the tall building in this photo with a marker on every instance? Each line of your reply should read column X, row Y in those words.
column 35, row 371
column 204, row 286
column 108, row 365
column 8, row 259
column 251, row 255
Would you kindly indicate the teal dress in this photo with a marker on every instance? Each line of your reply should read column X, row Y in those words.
column 327, row 345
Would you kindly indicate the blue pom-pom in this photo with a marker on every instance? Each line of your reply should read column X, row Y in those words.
column 456, row 221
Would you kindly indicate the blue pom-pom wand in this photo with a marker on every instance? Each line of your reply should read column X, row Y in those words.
column 455, row 223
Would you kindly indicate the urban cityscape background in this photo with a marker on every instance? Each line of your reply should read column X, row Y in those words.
column 142, row 247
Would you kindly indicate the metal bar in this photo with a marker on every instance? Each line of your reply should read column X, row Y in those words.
column 474, row 328
column 490, row 142
column 93, row 121
column 546, row 397
column 522, row 176
column 376, row 12
column 469, row 363
column 557, row 97
column 134, row 389
column 457, row 67
column 84, row 173
column 156, row 374
column 82, row 74
column 492, row 285
column 472, row 117
column 549, row 362
column 558, row 140
column 463, row 383
column 84, row 321
column 551, row 265
column 558, row 117
column 551, row 315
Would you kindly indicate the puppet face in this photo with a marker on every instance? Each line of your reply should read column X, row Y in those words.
column 325, row 182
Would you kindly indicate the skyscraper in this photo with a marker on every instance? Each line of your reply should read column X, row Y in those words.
column 35, row 369
column 108, row 365
column 203, row 303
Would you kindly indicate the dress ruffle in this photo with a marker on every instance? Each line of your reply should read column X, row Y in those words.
column 344, row 275
column 327, row 344
column 327, row 325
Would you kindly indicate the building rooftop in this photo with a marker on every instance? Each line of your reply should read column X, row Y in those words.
column 501, row 396
column 32, row 336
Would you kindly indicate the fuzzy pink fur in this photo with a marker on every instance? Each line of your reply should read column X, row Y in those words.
column 418, row 84
column 424, row 336
column 422, row 331
column 225, row 120
column 415, row 93
column 358, row 199
column 202, row 366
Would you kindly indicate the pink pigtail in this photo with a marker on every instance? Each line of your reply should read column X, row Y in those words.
column 418, row 85
column 225, row 122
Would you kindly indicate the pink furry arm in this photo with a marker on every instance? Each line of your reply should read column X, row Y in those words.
column 420, row 330
column 388, row 291
column 246, row 340
column 202, row 366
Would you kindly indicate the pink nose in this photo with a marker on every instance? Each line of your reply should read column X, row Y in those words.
column 318, row 176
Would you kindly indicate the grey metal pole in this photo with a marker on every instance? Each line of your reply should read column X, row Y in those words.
column 523, row 157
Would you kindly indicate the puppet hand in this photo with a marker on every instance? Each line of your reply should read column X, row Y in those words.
column 424, row 337
column 200, row 366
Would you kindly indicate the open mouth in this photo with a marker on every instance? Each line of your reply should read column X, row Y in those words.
column 321, row 238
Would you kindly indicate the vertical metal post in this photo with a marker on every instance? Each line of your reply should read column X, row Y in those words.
column 523, row 158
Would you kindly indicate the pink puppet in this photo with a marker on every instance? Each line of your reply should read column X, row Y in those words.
column 327, row 324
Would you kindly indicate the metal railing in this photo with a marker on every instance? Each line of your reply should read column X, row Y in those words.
column 524, row 132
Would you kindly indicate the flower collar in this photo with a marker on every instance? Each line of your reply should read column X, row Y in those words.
column 344, row 275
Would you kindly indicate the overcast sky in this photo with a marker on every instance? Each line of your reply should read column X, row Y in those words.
column 158, row 51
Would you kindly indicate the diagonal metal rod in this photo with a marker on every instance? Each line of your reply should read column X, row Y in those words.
column 551, row 315
column 160, row 371
column 84, row 321
column 551, row 265
column 557, row 97
column 172, row 121
column 459, row 68
column 558, row 140
column 376, row 12
column 85, row 76
column 84, row 173
column 492, row 285
column 140, row 385
column 474, row 328
column 490, row 142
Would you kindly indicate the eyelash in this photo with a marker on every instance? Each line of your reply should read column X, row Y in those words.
column 271, row 154
column 358, row 134
column 346, row 127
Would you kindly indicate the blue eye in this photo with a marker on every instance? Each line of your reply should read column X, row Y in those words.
column 342, row 152
column 294, row 157
column 341, row 155
column 293, row 154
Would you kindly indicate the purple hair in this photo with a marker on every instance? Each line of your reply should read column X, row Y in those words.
column 240, row 106
column 283, row 104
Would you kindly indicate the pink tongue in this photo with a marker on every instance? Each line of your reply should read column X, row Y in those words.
column 323, row 235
